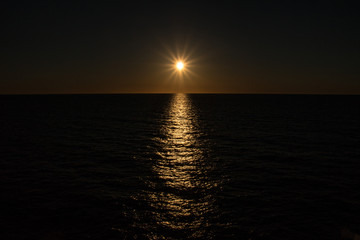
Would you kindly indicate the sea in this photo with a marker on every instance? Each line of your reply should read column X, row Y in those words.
column 180, row 166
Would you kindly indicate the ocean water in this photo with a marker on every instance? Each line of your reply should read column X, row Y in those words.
column 179, row 166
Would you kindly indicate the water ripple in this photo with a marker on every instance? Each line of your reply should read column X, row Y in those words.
column 179, row 194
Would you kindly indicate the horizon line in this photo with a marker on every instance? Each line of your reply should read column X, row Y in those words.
column 200, row 93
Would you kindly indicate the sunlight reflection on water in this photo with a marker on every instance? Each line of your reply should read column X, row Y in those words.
column 180, row 196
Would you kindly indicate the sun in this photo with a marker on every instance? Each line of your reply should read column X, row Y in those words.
column 180, row 65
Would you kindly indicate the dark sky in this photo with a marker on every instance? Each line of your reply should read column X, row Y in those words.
column 233, row 46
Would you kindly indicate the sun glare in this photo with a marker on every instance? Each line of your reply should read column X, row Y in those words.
column 180, row 65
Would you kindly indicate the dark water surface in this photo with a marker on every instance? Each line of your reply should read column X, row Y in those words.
column 179, row 166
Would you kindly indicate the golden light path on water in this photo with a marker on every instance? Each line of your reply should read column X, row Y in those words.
column 181, row 198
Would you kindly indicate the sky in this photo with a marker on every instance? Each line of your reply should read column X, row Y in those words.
column 293, row 47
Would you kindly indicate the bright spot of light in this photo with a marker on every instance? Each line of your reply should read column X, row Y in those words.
column 180, row 65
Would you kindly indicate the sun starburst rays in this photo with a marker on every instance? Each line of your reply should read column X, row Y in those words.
column 180, row 67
